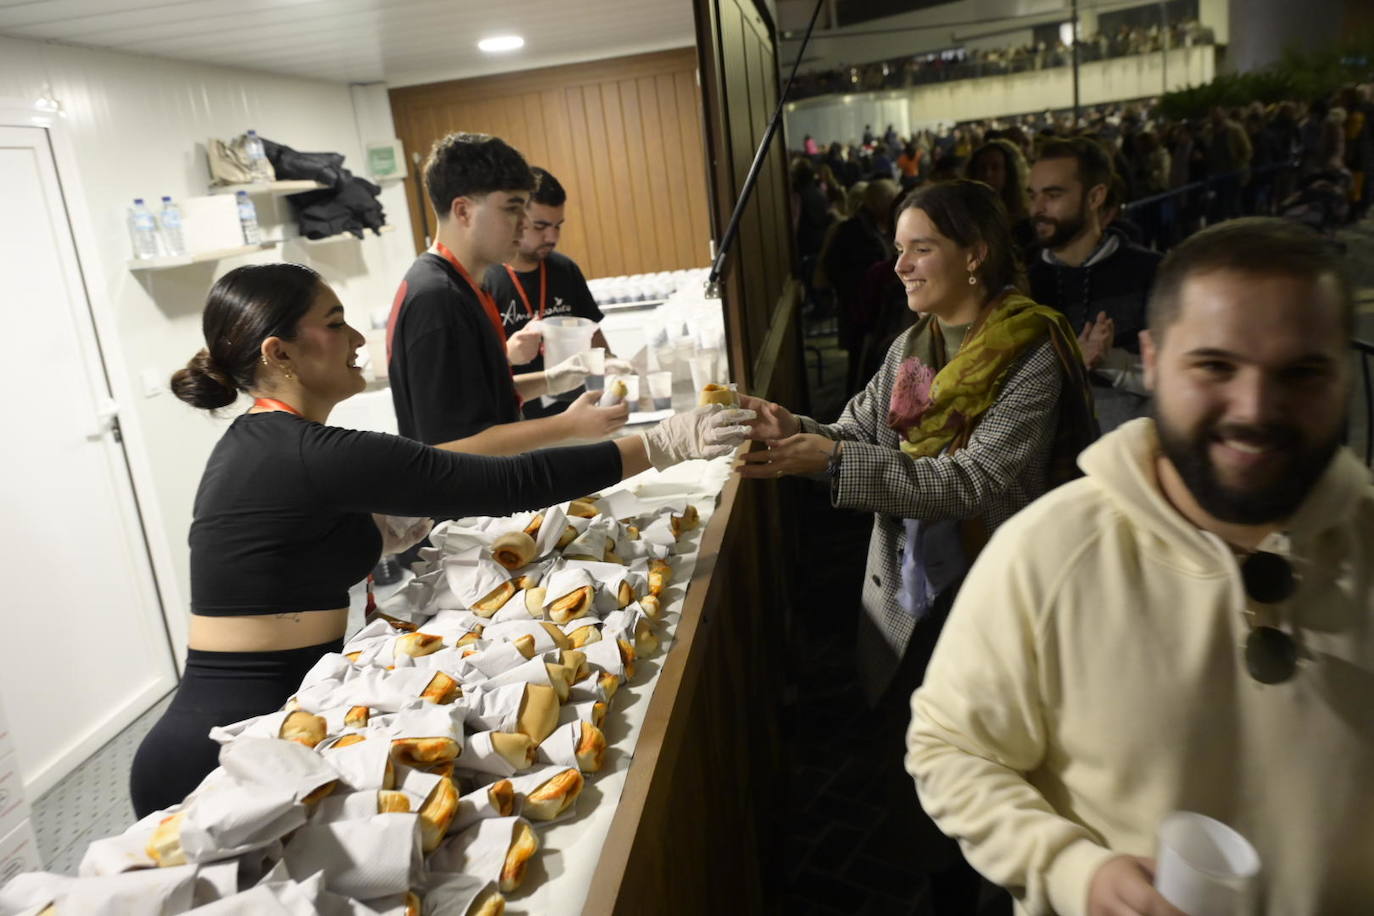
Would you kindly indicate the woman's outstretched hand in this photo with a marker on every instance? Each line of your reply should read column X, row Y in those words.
column 805, row 453
column 773, row 421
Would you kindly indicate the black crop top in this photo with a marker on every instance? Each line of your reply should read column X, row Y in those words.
column 282, row 519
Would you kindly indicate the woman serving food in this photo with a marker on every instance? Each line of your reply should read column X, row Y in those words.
column 288, row 514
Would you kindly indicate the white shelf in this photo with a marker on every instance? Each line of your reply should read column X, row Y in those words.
column 331, row 239
column 181, row 260
column 272, row 188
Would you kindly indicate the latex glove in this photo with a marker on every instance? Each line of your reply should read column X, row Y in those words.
column 617, row 366
column 568, row 374
column 400, row 533
column 523, row 345
column 709, row 431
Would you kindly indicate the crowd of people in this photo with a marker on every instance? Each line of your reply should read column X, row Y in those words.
column 1140, row 183
column 1102, row 450
column 972, row 63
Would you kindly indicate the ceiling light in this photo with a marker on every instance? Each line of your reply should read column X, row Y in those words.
column 499, row 43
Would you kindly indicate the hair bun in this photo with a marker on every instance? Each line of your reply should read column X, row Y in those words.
column 203, row 384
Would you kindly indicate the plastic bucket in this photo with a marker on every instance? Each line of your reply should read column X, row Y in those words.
column 566, row 337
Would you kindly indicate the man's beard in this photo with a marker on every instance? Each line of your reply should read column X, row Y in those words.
column 1065, row 230
column 1305, row 464
column 537, row 254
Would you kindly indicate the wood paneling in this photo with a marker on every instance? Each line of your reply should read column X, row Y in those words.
column 623, row 136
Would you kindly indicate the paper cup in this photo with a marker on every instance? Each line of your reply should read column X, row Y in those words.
column 661, row 389
column 703, row 372
column 596, row 378
column 1205, row 868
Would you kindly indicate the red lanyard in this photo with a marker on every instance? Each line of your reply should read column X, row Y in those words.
column 488, row 304
column 274, row 404
column 543, row 288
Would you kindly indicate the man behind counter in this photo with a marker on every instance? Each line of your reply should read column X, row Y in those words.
column 446, row 345
column 539, row 283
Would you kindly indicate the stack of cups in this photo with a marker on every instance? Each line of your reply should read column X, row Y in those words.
column 661, row 389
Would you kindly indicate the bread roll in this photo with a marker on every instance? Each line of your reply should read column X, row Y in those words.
column 514, row 549
column 610, row 556
column 576, row 603
column 469, row 638
column 646, row 642
column 599, row 711
column 567, row 537
column 437, row 813
column 553, row 796
column 614, row 394
column 534, row 601
column 560, row 639
column 320, row 792
column 353, row 656
column 357, row 716
column 303, row 728
column 524, row 582
column 524, row 644
column 164, row 847
column 591, row 748
column 575, row 662
column 396, row 622
column 441, row 689
column 584, row 636
column 561, row 679
column 660, row 576
column 501, row 794
column 718, row 394
column 413, row 905
column 538, row 715
column 517, row 749
column 627, row 657
column 532, row 529
column 624, row 594
column 583, row 508
column 442, row 769
column 347, row 740
column 631, row 533
column 494, row 600
column 390, row 801
column 523, row 845
column 687, row 521
column 652, row 605
column 488, row 903
column 418, row 644
column 608, row 683
column 423, row 752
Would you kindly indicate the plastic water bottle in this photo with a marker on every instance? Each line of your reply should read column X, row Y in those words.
column 143, row 230
column 248, row 218
column 257, row 158
column 172, row 237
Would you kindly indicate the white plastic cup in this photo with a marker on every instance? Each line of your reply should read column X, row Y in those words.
column 703, row 371
column 596, row 376
column 1204, row 867
column 565, row 337
column 661, row 389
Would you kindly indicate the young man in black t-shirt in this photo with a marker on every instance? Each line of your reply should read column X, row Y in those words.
column 539, row 283
column 446, row 348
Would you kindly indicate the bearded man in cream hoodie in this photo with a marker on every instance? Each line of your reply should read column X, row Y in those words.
column 1116, row 653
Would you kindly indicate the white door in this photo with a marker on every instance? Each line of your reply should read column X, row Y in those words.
column 83, row 646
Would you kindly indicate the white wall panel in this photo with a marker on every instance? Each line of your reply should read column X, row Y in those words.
column 138, row 127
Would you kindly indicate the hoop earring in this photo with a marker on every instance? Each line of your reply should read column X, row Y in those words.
column 972, row 280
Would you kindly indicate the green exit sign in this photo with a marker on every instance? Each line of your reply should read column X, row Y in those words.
column 384, row 160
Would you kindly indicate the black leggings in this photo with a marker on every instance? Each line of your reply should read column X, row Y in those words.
column 218, row 688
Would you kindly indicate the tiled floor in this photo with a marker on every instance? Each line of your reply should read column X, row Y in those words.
column 92, row 802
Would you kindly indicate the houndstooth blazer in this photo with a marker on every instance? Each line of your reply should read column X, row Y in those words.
column 1002, row 469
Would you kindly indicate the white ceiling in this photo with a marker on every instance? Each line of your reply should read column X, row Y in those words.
column 398, row 41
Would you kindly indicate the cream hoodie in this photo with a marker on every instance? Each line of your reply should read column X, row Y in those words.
column 1090, row 680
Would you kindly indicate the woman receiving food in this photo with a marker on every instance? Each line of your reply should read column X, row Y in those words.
column 287, row 516
column 978, row 409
